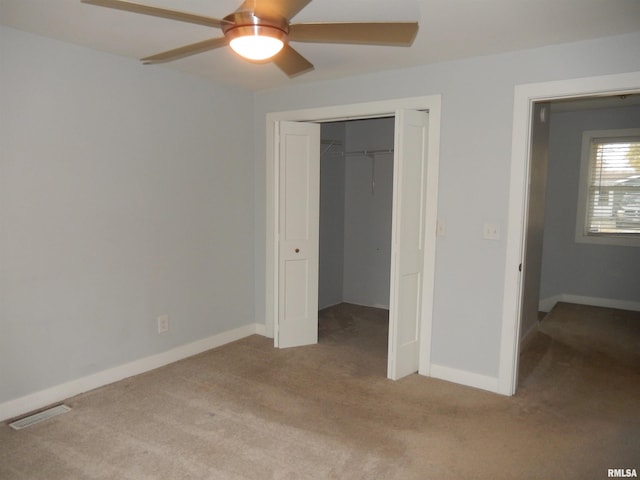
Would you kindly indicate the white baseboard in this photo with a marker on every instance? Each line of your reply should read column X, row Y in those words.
column 546, row 304
column 528, row 334
column 380, row 306
column 374, row 305
column 57, row 393
column 261, row 329
column 463, row 377
column 322, row 307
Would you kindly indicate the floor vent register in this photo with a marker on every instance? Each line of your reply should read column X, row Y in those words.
column 29, row 420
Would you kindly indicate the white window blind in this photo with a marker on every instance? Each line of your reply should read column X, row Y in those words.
column 613, row 199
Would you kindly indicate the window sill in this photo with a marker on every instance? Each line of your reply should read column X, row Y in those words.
column 610, row 240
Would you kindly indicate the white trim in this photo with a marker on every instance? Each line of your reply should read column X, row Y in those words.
column 524, row 97
column 546, row 304
column 57, row 393
column 431, row 220
column 463, row 377
column 261, row 330
column 529, row 336
column 322, row 307
column 384, row 108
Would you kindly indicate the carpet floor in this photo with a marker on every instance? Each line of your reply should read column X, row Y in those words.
column 249, row 411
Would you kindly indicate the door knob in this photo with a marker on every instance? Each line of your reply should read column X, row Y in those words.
column 297, row 250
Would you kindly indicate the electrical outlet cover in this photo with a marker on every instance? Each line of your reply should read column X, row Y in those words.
column 163, row 323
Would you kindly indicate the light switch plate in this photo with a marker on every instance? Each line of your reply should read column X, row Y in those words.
column 491, row 231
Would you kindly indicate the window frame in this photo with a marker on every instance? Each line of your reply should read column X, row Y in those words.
column 581, row 236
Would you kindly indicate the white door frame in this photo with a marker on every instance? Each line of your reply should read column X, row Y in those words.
column 524, row 97
column 385, row 108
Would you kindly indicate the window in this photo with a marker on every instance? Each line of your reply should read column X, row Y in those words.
column 609, row 195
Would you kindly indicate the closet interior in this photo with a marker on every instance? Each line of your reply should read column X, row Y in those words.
column 356, row 191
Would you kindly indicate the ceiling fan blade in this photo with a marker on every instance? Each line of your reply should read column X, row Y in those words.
column 186, row 51
column 393, row 34
column 157, row 12
column 291, row 62
column 274, row 8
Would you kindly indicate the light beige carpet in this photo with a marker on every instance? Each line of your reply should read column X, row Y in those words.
column 249, row 411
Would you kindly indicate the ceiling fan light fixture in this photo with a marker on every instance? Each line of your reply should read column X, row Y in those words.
column 256, row 42
column 260, row 30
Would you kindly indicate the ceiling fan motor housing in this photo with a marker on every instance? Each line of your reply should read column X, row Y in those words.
column 240, row 24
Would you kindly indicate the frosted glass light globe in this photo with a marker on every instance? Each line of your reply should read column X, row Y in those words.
column 256, row 47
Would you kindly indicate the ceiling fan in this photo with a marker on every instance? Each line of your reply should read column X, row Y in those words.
column 260, row 31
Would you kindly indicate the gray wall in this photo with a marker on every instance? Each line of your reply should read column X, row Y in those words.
column 601, row 271
column 540, row 126
column 130, row 192
column 367, row 244
column 126, row 192
column 332, row 168
column 475, row 155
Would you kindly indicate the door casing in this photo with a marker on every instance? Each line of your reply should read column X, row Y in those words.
column 525, row 97
column 387, row 108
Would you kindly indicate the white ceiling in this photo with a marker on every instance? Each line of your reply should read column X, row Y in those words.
column 449, row 29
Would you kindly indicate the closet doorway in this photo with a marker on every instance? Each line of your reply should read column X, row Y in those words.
column 356, row 200
column 292, row 172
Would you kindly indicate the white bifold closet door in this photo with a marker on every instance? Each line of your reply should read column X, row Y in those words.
column 408, row 242
column 298, row 233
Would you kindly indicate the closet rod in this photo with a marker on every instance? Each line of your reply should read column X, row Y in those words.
column 365, row 153
column 369, row 152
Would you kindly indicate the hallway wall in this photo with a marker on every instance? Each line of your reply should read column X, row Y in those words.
column 582, row 269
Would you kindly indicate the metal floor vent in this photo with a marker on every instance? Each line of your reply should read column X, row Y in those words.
column 39, row 417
